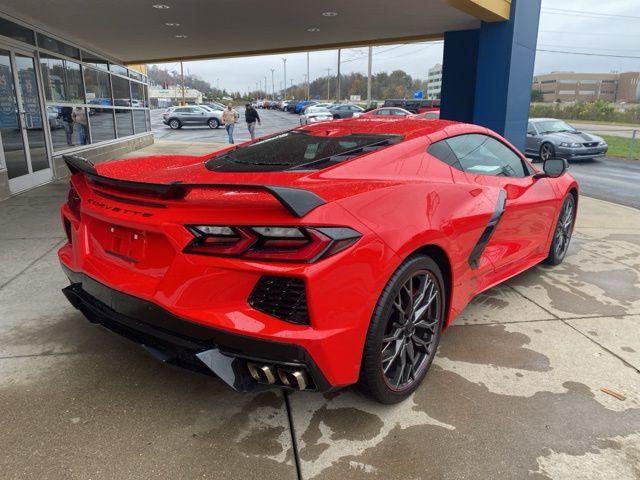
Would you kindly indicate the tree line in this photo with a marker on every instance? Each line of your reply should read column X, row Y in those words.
column 397, row 84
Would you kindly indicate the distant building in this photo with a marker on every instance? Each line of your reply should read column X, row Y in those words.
column 588, row 87
column 166, row 97
column 434, row 82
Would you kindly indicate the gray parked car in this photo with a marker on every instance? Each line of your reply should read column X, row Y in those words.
column 190, row 116
column 549, row 138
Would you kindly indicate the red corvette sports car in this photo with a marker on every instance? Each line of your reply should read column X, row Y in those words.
column 320, row 257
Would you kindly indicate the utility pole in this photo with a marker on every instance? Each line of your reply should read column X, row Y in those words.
column 305, row 83
column 328, row 84
column 284, row 61
column 273, row 85
column 308, row 90
column 266, row 89
column 291, row 85
column 184, row 101
column 369, row 77
column 339, row 52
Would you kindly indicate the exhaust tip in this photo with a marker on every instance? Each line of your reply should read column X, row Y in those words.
column 297, row 379
column 262, row 373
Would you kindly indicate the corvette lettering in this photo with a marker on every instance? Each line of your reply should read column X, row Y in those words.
column 124, row 211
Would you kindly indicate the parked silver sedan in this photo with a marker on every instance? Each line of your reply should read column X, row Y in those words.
column 192, row 115
column 549, row 137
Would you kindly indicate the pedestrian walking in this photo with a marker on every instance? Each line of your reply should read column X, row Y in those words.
column 251, row 116
column 229, row 118
column 66, row 114
column 80, row 119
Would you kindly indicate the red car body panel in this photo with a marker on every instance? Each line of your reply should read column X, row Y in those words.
column 400, row 198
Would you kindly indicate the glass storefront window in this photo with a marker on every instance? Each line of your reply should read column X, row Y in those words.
column 68, row 125
column 17, row 32
column 121, row 93
column 94, row 60
column 137, row 94
column 58, row 46
column 98, row 89
column 124, row 123
column 102, row 124
column 140, row 120
column 118, row 69
column 146, row 96
column 62, row 79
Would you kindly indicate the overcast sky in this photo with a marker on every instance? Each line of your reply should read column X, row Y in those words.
column 616, row 32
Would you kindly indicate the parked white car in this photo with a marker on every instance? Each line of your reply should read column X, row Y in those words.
column 315, row 114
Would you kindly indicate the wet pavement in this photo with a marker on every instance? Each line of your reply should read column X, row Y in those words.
column 515, row 392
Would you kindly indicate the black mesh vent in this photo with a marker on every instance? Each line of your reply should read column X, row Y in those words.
column 281, row 297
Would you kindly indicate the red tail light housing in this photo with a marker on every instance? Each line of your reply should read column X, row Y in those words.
column 273, row 243
column 73, row 201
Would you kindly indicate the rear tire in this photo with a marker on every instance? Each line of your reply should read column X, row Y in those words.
column 174, row 124
column 404, row 332
column 213, row 123
column 563, row 231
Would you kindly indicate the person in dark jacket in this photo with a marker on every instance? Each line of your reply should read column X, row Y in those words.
column 251, row 116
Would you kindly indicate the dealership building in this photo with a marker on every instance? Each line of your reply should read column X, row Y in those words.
column 71, row 79
column 434, row 82
column 588, row 87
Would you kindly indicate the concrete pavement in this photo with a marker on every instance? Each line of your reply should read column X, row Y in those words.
column 515, row 391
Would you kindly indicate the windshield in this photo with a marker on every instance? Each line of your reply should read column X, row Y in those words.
column 293, row 150
column 553, row 126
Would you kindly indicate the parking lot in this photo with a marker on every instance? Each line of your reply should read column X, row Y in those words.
column 272, row 121
column 517, row 385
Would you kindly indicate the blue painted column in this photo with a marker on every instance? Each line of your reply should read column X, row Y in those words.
column 487, row 72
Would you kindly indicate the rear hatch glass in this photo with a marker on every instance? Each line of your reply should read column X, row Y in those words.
column 297, row 150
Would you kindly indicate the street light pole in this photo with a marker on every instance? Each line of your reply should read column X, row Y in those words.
column 339, row 52
column 284, row 61
column 328, row 84
column 273, row 85
column 369, row 77
column 184, row 101
column 308, row 92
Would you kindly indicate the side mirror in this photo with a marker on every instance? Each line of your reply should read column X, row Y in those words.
column 553, row 168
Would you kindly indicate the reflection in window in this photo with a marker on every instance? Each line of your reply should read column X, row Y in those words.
column 17, row 32
column 97, row 86
column 121, row 93
column 68, row 126
column 140, row 120
column 118, row 69
column 58, row 46
column 61, row 79
column 102, row 125
column 95, row 60
column 137, row 94
column 146, row 96
column 124, row 123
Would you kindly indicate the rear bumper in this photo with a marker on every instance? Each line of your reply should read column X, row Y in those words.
column 183, row 343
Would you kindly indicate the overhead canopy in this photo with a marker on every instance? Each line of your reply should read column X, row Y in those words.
column 134, row 31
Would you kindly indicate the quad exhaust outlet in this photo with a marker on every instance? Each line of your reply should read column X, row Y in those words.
column 297, row 379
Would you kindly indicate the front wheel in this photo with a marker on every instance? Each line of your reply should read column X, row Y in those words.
column 563, row 232
column 547, row 151
column 213, row 123
column 174, row 124
column 404, row 332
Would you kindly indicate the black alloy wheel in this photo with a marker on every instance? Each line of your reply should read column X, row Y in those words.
column 404, row 332
column 174, row 124
column 547, row 151
column 213, row 123
column 410, row 335
column 563, row 231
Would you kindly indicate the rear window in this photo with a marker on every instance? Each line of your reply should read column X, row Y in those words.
column 295, row 150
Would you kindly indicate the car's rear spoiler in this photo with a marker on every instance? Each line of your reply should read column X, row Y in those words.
column 297, row 201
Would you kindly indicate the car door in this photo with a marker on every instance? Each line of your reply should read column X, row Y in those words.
column 185, row 115
column 533, row 140
column 525, row 212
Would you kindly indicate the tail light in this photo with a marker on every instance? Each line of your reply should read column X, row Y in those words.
column 73, row 201
column 275, row 243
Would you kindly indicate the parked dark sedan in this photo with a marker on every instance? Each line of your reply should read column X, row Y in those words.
column 345, row 111
column 548, row 138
